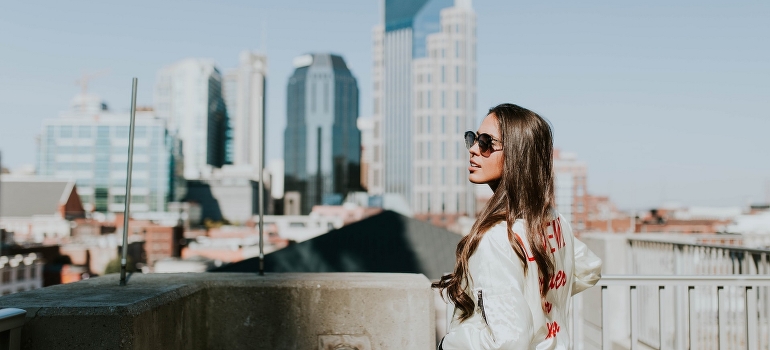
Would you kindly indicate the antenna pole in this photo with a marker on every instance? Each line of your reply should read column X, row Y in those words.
column 126, row 210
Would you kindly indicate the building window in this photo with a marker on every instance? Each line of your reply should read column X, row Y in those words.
column 458, row 176
column 427, row 124
column 443, row 150
column 443, row 99
column 428, row 102
column 457, row 74
column 419, row 150
column 443, row 124
column 443, row 74
column 458, row 125
column 65, row 131
column 443, row 177
column 84, row 131
column 457, row 99
column 457, row 48
column 428, row 153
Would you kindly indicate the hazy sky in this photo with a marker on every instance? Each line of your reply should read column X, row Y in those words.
column 665, row 102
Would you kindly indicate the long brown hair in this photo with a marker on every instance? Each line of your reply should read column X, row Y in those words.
column 525, row 191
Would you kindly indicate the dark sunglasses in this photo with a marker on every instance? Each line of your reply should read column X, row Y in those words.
column 484, row 141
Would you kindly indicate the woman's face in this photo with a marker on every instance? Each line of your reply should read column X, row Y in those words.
column 489, row 169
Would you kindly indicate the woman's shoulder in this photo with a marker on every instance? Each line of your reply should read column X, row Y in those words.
column 499, row 232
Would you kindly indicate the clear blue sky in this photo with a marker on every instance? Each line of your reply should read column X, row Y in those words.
column 665, row 102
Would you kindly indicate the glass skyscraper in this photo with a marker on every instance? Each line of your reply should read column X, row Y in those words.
column 188, row 95
column 424, row 76
column 89, row 144
column 322, row 145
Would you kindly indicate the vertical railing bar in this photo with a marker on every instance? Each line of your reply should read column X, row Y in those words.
column 689, row 317
column 605, row 318
column 751, row 318
column 660, row 317
column 721, row 318
column 634, row 294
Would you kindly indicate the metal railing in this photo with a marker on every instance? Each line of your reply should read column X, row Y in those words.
column 11, row 321
column 678, row 258
column 674, row 312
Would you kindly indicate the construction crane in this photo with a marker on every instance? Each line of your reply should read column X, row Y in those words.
column 83, row 82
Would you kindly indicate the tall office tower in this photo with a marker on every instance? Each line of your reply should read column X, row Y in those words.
column 424, row 99
column 188, row 95
column 244, row 93
column 321, row 142
column 89, row 144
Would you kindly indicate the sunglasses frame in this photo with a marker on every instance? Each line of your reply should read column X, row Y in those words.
column 485, row 147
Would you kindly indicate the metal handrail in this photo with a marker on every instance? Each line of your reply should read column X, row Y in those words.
column 701, row 245
column 687, row 281
column 11, row 321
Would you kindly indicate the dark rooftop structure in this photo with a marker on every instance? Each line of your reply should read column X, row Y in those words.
column 387, row 242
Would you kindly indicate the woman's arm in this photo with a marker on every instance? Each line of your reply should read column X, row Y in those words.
column 588, row 268
column 506, row 314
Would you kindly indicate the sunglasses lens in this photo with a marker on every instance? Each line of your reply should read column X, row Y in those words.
column 470, row 139
column 485, row 143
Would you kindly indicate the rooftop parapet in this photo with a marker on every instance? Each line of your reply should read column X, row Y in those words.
column 231, row 311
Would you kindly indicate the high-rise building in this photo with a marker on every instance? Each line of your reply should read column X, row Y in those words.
column 89, row 144
column 424, row 99
column 244, row 94
column 188, row 95
column 570, row 188
column 321, row 142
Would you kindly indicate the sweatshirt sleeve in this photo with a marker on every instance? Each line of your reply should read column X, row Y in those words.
column 507, row 322
column 588, row 268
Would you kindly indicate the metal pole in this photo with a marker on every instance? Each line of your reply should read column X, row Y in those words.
column 262, row 190
column 123, row 261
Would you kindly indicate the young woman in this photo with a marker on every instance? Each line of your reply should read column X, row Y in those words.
column 520, row 264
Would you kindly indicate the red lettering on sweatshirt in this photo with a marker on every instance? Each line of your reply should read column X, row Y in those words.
column 557, row 236
column 558, row 280
column 553, row 328
column 524, row 248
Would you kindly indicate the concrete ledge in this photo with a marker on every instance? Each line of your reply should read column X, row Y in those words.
column 231, row 311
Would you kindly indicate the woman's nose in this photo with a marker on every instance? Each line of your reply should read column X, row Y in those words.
column 474, row 150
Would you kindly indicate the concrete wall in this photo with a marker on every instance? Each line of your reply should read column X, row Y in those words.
column 231, row 311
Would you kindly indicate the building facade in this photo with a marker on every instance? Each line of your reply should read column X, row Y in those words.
column 188, row 95
column 20, row 273
column 571, row 194
column 321, row 142
column 244, row 94
column 89, row 145
column 424, row 99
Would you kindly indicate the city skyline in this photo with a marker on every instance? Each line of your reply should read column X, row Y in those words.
column 663, row 102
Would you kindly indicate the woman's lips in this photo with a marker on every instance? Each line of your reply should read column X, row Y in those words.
column 473, row 166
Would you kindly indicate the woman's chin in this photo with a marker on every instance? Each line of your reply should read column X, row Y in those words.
column 474, row 178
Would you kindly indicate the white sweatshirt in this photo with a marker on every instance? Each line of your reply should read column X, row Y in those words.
column 509, row 310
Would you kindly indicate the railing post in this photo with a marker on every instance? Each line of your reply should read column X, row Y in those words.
column 606, row 345
column 662, row 320
column 722, row 306
column 634, row 303
column 11, row 321
column 751, row 318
